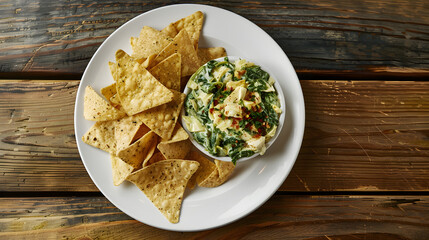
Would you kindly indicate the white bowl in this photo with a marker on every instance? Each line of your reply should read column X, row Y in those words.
column 281, row 118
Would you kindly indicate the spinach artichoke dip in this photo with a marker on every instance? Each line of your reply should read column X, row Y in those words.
column 232, row 108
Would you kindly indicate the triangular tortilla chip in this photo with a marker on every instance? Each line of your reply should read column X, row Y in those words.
column 150, row 151
column 136, row 152
column 175, row 150
column 207, row 54
column 225, row 169
column 206, row 168
column 168, row 71
column 109, row 91
column 138, row 90
column 181, row 44
column 140, row 132
column 126, row 129
column 156, row 157
column 164, row 183
column 150, row 41
column 177, row 135
column 95, row 108
column 162, row 119
column 193, row 25
column 102, row 135
column 120, row 170
column 219, row 176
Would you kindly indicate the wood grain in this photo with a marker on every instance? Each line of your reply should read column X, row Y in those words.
column 282, row 217
column 320, row 37
column 360, row 136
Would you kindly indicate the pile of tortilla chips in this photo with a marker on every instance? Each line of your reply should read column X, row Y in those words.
column 136, row 116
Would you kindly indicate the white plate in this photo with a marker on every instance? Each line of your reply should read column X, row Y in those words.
column 253, row 181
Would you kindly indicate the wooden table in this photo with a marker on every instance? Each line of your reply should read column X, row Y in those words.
column 363, row 169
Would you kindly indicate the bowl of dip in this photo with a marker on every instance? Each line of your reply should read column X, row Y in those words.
column 234, row 109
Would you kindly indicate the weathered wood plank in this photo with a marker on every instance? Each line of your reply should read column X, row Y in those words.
column 282, row 217
column 318, row 36
column 360, row 135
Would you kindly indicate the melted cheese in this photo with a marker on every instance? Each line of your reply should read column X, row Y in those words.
column 193, row 124
column 238, row 94
column 204, row 97
column 257, row 145
column 219, row 72
column 233, row 110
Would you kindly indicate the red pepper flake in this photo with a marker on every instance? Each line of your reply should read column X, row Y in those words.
column 234, row 122
column 257, row 135
column 215, row 102
column 211, row 110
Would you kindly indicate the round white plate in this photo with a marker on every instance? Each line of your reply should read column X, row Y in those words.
column 253, row 182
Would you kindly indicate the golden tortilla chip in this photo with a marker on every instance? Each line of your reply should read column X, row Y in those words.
column 206, row 168
column 95, row 108
column 109, row 91
column 102, row 135
column 138, row 90
column 181, row 44
column 140, row 132
column 149, row 62
column 225, row 169
column 137, row 152
column 207, row 54
column 162, row 119
column 156, row 157
column 220, row 175
column 164, row 184
column 151, row 150
column 168, row 71
column 115, row 101
column 125, row 130
column 120, row 170
column 178, row 134
column 175, row 150
column 150, row 41
column 193, row 25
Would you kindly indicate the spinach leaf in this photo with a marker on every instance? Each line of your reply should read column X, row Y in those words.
column 256, row 78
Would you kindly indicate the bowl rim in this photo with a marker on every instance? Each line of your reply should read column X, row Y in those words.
column 281, row 117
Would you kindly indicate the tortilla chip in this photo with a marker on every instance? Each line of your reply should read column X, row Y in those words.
column 143, row 129
column 151, row 150
column 220, row 175
column 175, row 150
column 164, row 184
column 115, row 101
column 150, row 41
column 156, row 157
column 95, row 108
column 109, row 91
column 207, row 54
column 168, row 71
column 178, row 134
column 193, row 25
column 181, row 44
column 206, row 168
column 162, row 119
column 138, row 90
column 137, row 152
column 225, row 169
column 102, row 135
column 183, row 82
column 149, row 62
column 125, row 130
column 120, row 170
